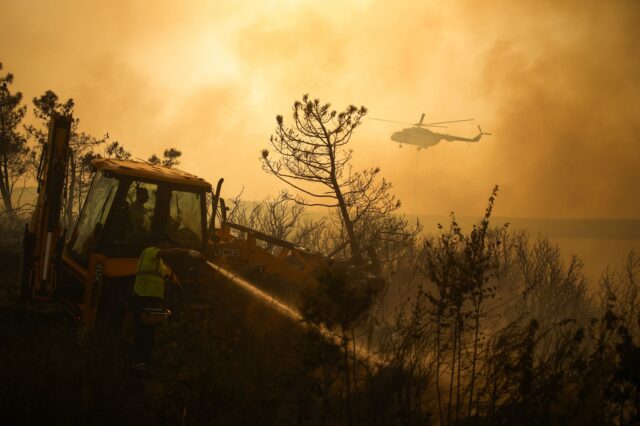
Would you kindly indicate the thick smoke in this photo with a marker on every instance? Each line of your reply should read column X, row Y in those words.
column 567, row 99
column 555, row 82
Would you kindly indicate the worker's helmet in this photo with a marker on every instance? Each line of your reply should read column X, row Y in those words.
column 142, row 194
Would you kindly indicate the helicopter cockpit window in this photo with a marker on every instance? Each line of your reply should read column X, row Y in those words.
column 96, row 210
column 184, row 224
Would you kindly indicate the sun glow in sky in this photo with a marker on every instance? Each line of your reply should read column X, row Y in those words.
column 555, row 82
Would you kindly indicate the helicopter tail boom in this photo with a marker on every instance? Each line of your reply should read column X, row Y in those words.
column 477, row 138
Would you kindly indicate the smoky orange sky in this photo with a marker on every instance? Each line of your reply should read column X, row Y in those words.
column 556, row 82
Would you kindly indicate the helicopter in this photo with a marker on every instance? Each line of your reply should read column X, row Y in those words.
column 424, row 138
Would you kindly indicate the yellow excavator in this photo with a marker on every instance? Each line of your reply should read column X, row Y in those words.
column 91, row 269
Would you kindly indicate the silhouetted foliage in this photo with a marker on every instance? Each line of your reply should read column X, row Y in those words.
column 116, row 150
column 13, row 149
column 492, row 361
column 479, row 327
column 82, row 149
column 169, row 158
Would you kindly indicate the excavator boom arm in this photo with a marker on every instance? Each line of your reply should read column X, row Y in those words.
column 44, row 234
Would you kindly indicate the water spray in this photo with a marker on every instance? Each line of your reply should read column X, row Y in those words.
column 362, row 354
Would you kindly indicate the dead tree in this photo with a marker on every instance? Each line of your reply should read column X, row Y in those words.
column 312, row 157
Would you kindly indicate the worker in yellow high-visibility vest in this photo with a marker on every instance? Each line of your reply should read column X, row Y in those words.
column 149, row 291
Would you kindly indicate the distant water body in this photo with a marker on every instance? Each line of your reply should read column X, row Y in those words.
column 591, row 229
column 600, row 243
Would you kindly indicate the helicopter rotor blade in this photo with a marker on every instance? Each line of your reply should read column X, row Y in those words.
column 446, row 122
column 391, row 121
column 404, row 122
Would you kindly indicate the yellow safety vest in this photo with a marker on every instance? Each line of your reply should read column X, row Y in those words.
column 150, row 274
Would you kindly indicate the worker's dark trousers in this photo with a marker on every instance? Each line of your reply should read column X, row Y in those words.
column 145, row 334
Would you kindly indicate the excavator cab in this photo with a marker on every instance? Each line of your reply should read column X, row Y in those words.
column 123, row 213
column 128, row 204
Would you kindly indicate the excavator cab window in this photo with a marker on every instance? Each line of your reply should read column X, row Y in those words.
column 140, row 203
column 122, row 215
column 131, row 225
column 94, row 214
column 184, row 223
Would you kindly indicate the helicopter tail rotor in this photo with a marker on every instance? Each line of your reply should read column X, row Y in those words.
column 481, row 132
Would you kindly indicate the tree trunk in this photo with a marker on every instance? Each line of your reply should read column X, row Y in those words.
column 454, row 341
column 345, row 348
column 438, row 337
column 356, row 255
column 474, row 360
column 5, row 191
column 6, row 196
column 458, row 382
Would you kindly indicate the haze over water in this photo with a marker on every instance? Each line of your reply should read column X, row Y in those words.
column 598, row 243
